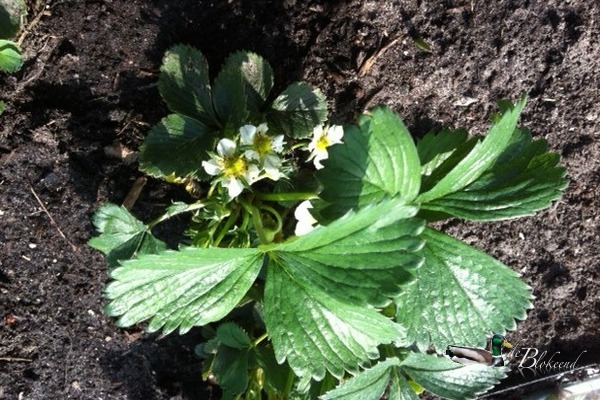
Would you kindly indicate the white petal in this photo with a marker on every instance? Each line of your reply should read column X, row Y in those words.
column 251, row 174
column 234, row 186
column 272, row 161
column 272, row 173
column 212, row 167
column 251, row 155
column 335, row 134
column 262, row 128
column 272, row 165
column 226, row 148
column 301, row 212
column 302, row 228
column 277, row 144
column 247, row 133
column 318, row 157
column 317, row 131
column 304, row 217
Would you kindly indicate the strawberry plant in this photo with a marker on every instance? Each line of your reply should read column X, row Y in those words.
column 309, row 259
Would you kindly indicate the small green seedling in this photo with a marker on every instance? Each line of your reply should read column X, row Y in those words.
column 308, row 259
column 12, row 13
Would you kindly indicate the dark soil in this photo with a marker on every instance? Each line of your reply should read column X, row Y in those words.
column 90, row 79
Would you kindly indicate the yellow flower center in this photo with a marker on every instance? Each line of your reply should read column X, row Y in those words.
column 322, row 142
column 262, row 144
column 235, row 166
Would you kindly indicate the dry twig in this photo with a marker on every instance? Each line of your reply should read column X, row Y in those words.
column 73, row 247
column 370, row 61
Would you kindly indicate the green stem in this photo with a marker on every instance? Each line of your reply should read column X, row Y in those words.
column 260, row 339
column 274, row 213
column 255, row 214
column 232, row 217
column 286, row 196
column 191, row 207
column 289, row 384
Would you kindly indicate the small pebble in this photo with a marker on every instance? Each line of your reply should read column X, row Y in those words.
column 32, row 245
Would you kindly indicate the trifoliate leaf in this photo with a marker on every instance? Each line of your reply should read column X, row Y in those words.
column 377, row 159
column 480, row 158
column 242, row 86
column 451, row 380
column 10, row 56
column 297, row 111
column 12, row 13
column 176, row 145
column 230, row 367
column 196, row 286
column 366, row 385
column 184, row 84
column 232, row 335
column 524, row 179
column 460, row 295
column 122, row 236
column 322, row 289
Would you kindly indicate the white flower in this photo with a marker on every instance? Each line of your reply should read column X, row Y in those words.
column 323, row 137
column 234, row 170
column 263, row 148
column 305, row 219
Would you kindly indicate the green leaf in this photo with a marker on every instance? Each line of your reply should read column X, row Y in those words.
column 434, row 148
column 451, row 380
column 377, row 159
column 176, row 145
column 230, row 368
column 122, row 236
column 183, row 84
column 524, row 179
column 242, row 86
column 460, row 295
column 2, row 107
column 366, row 385
column 297, row 111
column 232, row 335
column 11, row 14
column 400, row 388
column 480, row 158
column 423, row 45
column 276, row 375
column 10, row 56
column 322, row 289
column 196, row 286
